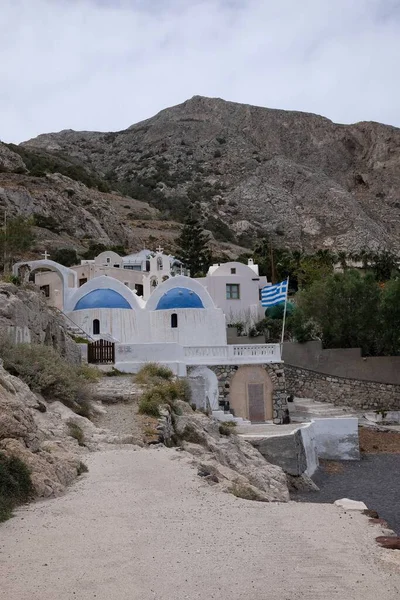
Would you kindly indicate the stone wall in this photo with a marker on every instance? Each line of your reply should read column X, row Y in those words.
column 275, row 371
column 359, row 394
column 342, row 362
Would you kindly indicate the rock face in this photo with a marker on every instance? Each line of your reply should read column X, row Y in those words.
column 52, row 462
column 228, row 461
column 301, row 178
column 25, row 316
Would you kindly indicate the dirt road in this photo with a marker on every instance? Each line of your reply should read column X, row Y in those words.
column 142, row 526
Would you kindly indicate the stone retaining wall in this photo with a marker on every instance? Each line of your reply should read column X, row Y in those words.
column 276, row 372
column 359, row 394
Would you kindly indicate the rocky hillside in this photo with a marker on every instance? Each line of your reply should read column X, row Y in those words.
column 306, row 181
column 74, row 206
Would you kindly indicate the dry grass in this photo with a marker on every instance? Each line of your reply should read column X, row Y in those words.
column 153, row 373
column 374, row 441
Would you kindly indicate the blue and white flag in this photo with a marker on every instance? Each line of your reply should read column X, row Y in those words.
column 274, row 294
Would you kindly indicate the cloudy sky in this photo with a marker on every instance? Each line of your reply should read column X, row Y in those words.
column 106, row 64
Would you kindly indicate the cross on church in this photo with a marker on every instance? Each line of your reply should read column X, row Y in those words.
column 159, row 249
column 46, row 255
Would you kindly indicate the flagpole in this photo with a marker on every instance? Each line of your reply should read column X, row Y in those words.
column 284, row 314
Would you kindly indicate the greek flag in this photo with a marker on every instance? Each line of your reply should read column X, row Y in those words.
column 274, row 294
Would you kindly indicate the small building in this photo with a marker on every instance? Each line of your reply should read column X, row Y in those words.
column 236, row 289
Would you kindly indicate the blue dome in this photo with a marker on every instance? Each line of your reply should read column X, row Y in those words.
column 179, row 298
column 102, row 298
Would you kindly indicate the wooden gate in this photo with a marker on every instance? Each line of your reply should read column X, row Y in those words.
column 101, row 352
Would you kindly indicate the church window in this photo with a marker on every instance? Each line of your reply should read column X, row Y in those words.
column 139, row 289
column 174, row 320
column 232, row 291
column 96, row 327
column 82, row 281
column 233, row 271
column 159, row 264
column 108, row 260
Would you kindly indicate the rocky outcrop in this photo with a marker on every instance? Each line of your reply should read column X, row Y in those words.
column 226, row 460
column 25, row 317
column 47, row 436
column 304, row 180
column 52, row 462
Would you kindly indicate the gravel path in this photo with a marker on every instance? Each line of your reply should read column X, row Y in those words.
column 375, row 480
column 142, row 526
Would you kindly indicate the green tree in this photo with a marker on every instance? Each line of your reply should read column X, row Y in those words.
column 65, row 256
column 192, row 247
column 345, row 308
column 16, row 238
column 390, row 313
column 384, row 265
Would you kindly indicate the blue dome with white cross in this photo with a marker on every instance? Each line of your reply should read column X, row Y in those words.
column 179, row 297
column 102, row 298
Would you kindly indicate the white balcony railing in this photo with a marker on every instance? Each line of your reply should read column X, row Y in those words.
column 235, row 354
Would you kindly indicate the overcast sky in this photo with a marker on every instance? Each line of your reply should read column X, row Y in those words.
column 106, row 64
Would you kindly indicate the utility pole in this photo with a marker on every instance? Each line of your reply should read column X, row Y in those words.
column 271, row 255
column 5, row 243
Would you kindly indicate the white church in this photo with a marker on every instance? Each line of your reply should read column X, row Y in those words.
column 151, row 311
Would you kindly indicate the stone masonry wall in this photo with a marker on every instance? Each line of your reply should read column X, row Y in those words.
column 359, row 394
column 276, row 372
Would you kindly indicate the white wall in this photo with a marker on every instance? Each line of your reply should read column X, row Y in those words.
column 337, row 438
column 196, row 327
column 310, row 448
column 247, row 309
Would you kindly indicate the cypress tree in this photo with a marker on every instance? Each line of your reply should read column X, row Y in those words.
column 192, row 247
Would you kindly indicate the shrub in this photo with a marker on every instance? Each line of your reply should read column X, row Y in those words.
column 153, row 372
column 76, row 432
column 227, row 428
column 82, row 468
column 165, row 392
column 46, row 373
column 15, row 484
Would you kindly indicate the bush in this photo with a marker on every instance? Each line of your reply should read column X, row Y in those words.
column 153, row 372
column 46, row 373
column 76, row 432
column 166, row 392
column 82, row 468
column 15, row 484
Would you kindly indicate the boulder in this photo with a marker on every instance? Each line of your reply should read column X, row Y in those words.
column 348, row 504
column 238, row 467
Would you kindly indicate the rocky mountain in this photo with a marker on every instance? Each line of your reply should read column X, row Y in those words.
column 74, row 206
column 306, row 182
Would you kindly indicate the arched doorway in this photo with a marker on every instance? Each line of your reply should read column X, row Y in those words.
column 251, row 394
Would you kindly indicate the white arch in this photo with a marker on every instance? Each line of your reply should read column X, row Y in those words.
column 179, row 281
column 105, row 282
column 50, row 265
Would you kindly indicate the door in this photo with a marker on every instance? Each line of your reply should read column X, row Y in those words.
column 255, row 394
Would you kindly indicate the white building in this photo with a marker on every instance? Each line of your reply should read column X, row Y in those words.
column 233, row 286
column 178, row 325
column 236, row 289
